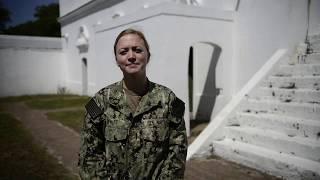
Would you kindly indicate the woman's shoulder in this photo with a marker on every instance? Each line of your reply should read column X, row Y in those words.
column 161, row 88
column 106, row 90
column 169, row 94
column 177, row 106
column 100, row 96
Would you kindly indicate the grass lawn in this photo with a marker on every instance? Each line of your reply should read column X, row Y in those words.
column 58, row 102
column 72, row 119
column 35, row 97
column 21, row 158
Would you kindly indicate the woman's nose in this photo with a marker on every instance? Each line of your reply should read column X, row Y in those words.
column 132, row 55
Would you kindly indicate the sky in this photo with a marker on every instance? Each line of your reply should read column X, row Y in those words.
column 23, row 10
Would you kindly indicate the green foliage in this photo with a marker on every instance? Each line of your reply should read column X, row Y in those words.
column 72, row 119
column 46, row 23
column 4, row 16
column 21, row 158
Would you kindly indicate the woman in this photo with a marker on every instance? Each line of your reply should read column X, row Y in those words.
column 133, row 129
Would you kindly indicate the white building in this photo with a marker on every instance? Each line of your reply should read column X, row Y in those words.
column 213, row 46
column 230, row 39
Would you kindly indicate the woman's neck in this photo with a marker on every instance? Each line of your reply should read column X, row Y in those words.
column 136, row 84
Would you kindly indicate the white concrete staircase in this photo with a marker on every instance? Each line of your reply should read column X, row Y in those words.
column 276, row 127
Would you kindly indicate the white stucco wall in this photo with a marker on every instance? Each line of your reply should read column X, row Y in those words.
column 74, row 56
column 227, row 5
column 128, row 6
column 30, row 65
column 262, row 27
column 67, row 6
column 314, row 26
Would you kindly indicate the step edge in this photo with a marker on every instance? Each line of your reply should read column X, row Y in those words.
column 263, row 152
column 275, row 135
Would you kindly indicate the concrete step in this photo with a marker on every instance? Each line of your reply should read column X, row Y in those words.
column 286, row 95
column 280, row 142
column 290, row 126
column 314, row 38
column 279, row 164
column 293, row 82
column 299, row 110
column 313, row 58
column 298, row 70
column 315, row 42
column 315, row 47
column 213, row 168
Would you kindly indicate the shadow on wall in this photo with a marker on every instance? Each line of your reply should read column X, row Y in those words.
column 210, row 90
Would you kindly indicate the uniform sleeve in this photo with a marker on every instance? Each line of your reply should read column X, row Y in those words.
column 91, row 155
column 174, row 165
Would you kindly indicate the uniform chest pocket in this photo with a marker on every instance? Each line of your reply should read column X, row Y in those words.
column 116, row 131
column 155, row 129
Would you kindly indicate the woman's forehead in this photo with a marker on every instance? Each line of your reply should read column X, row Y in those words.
column 130, row 39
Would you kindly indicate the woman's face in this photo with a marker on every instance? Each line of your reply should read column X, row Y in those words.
column 131, row 54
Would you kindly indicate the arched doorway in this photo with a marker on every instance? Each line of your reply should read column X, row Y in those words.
column 84, row 76
column 203, row 58
column 190, row 82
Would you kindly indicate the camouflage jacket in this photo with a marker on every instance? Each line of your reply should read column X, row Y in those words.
column 147, row 144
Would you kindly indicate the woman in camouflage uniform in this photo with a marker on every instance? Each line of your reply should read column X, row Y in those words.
column 133, row 129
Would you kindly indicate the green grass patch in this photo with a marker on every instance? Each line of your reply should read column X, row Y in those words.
column 35, row 97
column 72, row 119
column 58, row 102
column 21, row 158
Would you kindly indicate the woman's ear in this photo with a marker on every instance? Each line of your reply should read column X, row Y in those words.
column 117, row 61
column 148, row 57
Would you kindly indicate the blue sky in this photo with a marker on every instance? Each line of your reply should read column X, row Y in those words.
column 23, row 10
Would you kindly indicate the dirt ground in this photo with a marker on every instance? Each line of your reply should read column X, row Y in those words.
column 63, row 143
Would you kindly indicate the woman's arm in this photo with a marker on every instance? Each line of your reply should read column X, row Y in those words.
column 91, row 155
column 174, row 165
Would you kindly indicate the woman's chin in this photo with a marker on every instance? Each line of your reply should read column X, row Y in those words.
column 133, row 71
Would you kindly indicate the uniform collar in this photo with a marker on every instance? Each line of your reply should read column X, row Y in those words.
column 118, row 99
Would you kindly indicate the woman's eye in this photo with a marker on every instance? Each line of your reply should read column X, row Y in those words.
column 123, row 52
column 138, row 50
